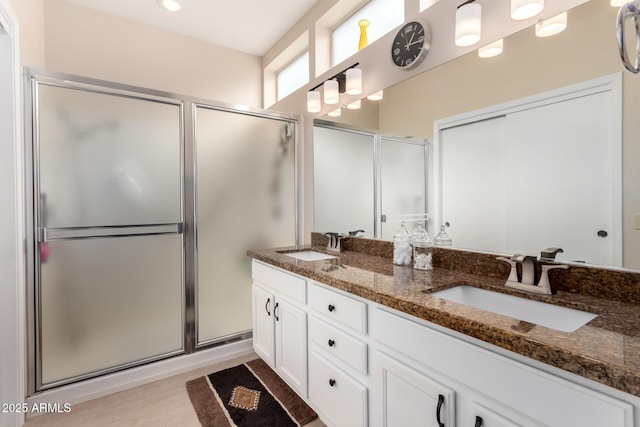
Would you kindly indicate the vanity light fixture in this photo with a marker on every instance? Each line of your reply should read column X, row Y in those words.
column 314, row 104
column 170, row 5
column 491, row 50
column 335, row 113
column 376, row 96
column 348, row 80
column 468, row 23
column 355, row 105
column 331, row 94
column 552, row 26
column 525, row 9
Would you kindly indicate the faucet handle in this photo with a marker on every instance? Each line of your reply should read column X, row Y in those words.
column 550, row 253
column 355, row 233
column 513, row 274
column 544, row 277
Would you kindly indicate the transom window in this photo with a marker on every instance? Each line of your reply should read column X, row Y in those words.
column 293, row 76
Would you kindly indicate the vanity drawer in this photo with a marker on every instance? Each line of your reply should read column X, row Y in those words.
column 280, row 282
column 338, row 307
column 340, row 398
column 343, row 346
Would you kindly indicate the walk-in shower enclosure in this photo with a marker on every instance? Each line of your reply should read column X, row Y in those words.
column 142, row 207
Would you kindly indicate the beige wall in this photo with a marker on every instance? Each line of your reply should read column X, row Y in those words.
column 94, row 44
column 30, row 14
column 529, row 65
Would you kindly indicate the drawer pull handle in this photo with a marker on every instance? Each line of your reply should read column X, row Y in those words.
column 266, row 306
column 478, row 421
column 331, row 343
column 331, row 307
column 274, row 311
column 438, row 409
column 332, row 382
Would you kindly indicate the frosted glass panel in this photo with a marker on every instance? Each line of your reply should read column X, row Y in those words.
column 107, row 159
column 343, row 181
column 402, row 181
column 245, row 198
column 110, row 301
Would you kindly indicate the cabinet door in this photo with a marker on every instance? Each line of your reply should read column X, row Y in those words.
column 291, row 345
column 404, row 395
column 263, row 328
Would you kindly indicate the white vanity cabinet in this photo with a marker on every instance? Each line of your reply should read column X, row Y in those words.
column 499, row 390
column 280, row 323
column 338, row 357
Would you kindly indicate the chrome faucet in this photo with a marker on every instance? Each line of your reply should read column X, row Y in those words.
column 549, row 254
column 335, row 242
column 527, row 279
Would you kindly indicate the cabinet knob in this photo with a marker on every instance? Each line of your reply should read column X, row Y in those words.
column 331, row 343
column 331, row 307
column 332, row 382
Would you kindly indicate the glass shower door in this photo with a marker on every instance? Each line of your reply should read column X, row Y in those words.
column 108, row 219
column 245, row 197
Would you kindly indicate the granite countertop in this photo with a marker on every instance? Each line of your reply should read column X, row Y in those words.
column 606, row 350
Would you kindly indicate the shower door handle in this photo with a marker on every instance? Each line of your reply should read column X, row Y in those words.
column 630, row 10
column 45, row 234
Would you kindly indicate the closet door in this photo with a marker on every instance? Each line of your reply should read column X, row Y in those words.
column 473, row 184
column 560, row 170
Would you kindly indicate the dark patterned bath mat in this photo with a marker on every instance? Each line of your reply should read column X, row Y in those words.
column 247, row 395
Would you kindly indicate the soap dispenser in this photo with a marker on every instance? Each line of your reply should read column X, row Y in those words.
column 402, row 246
column 422, row 248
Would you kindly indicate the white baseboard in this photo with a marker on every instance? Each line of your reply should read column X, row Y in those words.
column 108, row 384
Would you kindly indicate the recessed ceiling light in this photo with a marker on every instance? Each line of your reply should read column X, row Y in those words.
column 170, row 5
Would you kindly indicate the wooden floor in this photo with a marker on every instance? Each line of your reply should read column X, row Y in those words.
column 160, row 403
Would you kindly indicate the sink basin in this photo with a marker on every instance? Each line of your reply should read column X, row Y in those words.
column 309, row 255
column 544, row 314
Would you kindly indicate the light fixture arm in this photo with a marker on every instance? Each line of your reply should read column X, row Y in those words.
column 341, row 77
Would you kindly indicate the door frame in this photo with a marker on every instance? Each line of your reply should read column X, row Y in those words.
column 12, row 300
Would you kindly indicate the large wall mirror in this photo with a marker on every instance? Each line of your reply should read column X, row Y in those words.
column 528, row 66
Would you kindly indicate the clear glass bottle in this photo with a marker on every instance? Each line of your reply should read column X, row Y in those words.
column 442, row 239
column 422, row 248
column 402, row 246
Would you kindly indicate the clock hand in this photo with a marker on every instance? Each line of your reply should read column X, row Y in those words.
column 409, row 42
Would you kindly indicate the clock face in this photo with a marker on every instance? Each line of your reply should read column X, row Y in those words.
column 411, row 45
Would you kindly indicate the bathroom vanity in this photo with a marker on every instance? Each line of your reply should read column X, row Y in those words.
column 365, row 342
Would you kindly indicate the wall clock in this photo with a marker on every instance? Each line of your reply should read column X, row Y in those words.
column 411, row 45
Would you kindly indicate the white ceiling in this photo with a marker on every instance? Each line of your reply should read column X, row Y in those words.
column 251, row 26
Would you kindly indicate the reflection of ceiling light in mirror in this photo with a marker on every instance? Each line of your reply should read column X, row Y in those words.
column 170, row 5
column 525, row 9
column 618, row 3
column 491, row 50
column 335, row 113
column 354, row 105
column 468, row 23
column 331, row 94
column 314, row 105
column 552, row 26
column 376, row 96
column 354, row 81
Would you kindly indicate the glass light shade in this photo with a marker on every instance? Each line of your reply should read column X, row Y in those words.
column 170, row 5
column 376, row 96
column 354, row 81
column 314, row 104
column 331, row 94
column 468, row 24
column 525, row 9
column 354, row 105
column 335, row 113
column 552, row 26
column 491, row 50
column 618, row 3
